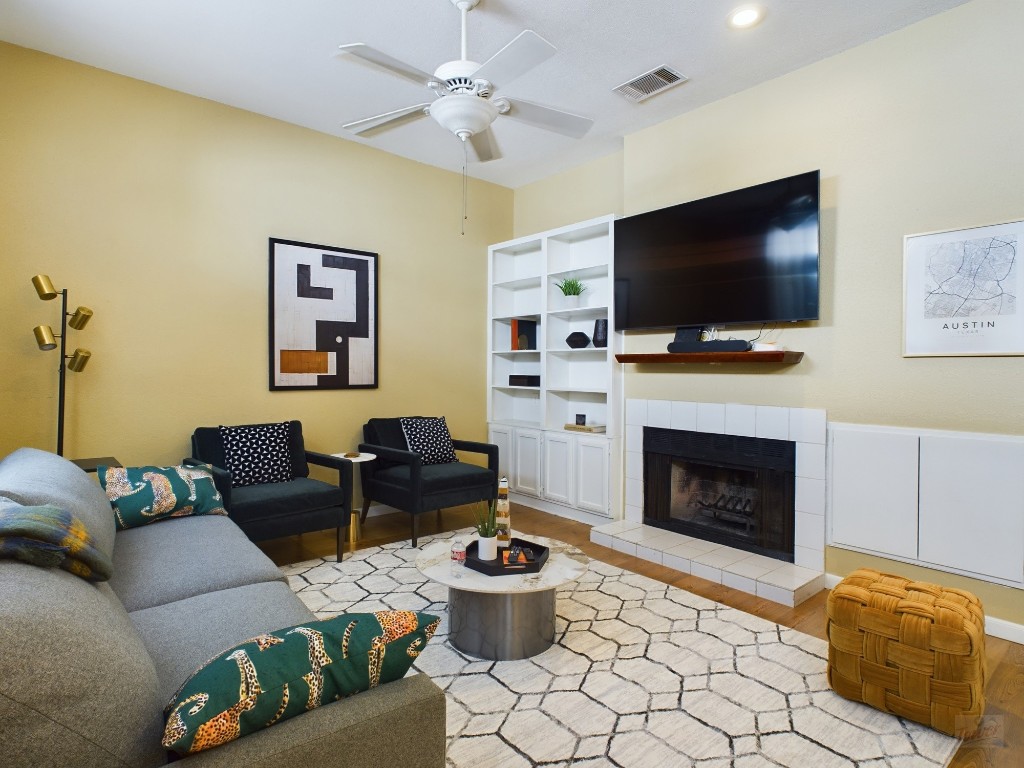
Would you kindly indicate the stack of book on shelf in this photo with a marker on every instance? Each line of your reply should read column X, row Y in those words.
column 586, row 427
column 524, row 335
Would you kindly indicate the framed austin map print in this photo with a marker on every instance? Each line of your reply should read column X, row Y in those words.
column 960, row 292
column 323, row 317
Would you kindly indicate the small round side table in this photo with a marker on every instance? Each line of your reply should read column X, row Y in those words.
column 353, row 526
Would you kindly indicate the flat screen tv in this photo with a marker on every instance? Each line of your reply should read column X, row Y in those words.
column 743, row 257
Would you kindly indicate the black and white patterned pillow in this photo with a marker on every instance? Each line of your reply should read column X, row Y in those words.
column 257, row 454
column 429, row 437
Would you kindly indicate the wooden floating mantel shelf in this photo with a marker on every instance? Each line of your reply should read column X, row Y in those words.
column 782, row 357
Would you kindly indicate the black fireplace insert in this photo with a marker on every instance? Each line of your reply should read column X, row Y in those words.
column 729, row 489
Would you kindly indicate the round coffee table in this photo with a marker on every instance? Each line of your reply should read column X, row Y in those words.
column 502, row 618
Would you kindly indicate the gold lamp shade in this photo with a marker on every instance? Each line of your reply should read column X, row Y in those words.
column 44, row 287
column 47, row 339
column 44, row 337
column 79, row 360
column 81, row 318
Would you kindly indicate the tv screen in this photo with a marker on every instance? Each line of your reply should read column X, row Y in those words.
column 743, row 257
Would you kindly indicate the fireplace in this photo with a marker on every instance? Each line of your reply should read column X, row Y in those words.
column 729, row 489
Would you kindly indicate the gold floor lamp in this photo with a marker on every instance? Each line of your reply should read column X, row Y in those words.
column 47, row 340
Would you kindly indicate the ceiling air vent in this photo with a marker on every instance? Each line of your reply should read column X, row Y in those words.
column 650, row 83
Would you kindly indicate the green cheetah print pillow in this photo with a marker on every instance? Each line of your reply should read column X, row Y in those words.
column 142, row 495
column 281, row 674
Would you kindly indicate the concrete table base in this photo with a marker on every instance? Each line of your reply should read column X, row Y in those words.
column 501, row 627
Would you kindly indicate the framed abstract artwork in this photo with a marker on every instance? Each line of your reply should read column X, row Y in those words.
column 960, row 291
column 323, row 317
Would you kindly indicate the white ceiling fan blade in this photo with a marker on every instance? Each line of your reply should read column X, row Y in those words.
column 549, row 119
column 485, row 146
column 517, row 58
column 389, row 63
column 387, row 120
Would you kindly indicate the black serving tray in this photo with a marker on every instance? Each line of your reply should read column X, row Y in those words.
column 497, row 567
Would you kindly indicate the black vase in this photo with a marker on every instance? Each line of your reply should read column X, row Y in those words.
column 601, row 333
column 577, row 340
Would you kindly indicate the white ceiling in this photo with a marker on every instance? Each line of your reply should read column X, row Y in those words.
column 277, row 58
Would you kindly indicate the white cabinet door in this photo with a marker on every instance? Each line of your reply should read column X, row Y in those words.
column 972, row 504
column 592, row 474
column 501, row 436
column 526, row 462
column 558, row 468
column 874, row 489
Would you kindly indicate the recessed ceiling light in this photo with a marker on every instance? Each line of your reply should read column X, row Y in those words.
column 746, row 16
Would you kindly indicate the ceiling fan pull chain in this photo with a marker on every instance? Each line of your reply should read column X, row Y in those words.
column 465, row 185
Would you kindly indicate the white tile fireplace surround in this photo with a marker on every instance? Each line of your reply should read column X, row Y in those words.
column 786, row 583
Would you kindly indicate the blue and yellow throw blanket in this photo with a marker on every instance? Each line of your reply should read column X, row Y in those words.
column 51, row 537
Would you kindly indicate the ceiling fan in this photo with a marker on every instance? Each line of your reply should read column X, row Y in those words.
column 464, row 90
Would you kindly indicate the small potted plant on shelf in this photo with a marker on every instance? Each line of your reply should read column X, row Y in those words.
column 572, row 289
column 487, row 529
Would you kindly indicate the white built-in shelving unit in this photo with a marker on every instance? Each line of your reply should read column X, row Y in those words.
column 571, row 473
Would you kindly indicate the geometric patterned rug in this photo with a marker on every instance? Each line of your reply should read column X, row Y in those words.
column 641, row 674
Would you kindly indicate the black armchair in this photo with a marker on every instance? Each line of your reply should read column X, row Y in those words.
column 272, row 510
column 400, row 479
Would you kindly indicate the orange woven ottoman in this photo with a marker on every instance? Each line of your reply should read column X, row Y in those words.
column 910, row 648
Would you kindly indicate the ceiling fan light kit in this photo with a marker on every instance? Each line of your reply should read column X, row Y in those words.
column 463, row 114
column 464, row 105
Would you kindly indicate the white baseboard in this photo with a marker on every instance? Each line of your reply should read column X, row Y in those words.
column 1004, row 629
column 1001, row 628
column 579, row 515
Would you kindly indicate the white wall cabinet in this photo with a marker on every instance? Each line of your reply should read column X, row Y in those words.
column 559, row 477
column 947, row 500
column 528, row 418
column 567, row 469
column 526, row 452
column 591, row 467
column 972, row 504
column 874, row 489
column 501, row 436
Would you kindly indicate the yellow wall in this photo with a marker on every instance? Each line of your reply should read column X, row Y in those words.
column 915, row 132
column 154, row 208
column 585, row 192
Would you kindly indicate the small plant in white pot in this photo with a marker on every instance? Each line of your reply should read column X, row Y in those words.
column 572, row 289
column 487, row 530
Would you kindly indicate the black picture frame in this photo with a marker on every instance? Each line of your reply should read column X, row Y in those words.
column 323, row 317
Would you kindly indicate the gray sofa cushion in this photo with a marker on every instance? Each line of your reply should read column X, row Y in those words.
column 32, row 477
column 184, row 635
column 182, row 557
column 77, row 686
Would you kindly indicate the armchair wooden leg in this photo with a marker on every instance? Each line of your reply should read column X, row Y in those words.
column 366, row 509
column 415, row 528
column 439, row 520
column 341, row 540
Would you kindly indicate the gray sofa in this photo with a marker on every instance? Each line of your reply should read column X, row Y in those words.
column 86, row 668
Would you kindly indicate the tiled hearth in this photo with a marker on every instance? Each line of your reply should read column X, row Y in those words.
column 787, row 583
column 755, row 574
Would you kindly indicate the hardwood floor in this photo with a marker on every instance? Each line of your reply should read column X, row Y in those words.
column 1000, row 745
